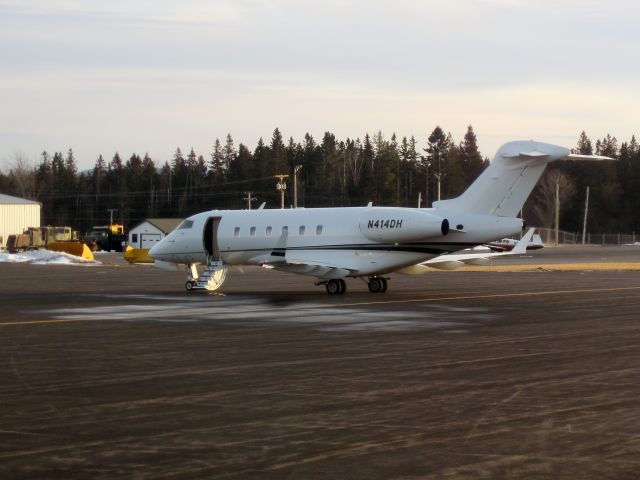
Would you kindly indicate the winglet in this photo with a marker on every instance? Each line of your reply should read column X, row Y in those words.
column 578, row 156
column 521, row 246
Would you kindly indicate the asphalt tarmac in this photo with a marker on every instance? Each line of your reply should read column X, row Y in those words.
column 115, row 371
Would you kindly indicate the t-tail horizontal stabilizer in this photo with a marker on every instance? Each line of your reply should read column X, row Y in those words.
column 503, row 187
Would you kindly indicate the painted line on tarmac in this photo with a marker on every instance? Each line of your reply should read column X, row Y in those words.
column 39, row 322
column 493, row 295
column 562, row 267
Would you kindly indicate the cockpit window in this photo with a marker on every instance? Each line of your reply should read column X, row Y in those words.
column 184, row 225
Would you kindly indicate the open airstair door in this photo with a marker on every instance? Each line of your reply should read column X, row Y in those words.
column 210, row 238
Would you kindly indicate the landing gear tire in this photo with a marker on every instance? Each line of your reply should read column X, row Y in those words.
column 336, row 287
column 377, row 285
column 189, row 285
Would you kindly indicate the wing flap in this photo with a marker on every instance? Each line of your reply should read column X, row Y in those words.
column 316, row 263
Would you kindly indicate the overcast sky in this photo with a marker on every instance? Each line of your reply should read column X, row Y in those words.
column 153, row 75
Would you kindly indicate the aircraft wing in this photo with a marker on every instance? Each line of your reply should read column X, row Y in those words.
column 312, row 262
column 457, row 260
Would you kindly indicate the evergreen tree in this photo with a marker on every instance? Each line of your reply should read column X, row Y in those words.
column 216, row 164
column 96, row 187
column 472, row 162
column 331, row 174
column 229, row 153
column 608, row 190
column 149, row 179
column 437, row 149
column 277, row 156
column 454, row 181
column 367, row 185
column 584, row 146
column 45, row 186
column 262, row 184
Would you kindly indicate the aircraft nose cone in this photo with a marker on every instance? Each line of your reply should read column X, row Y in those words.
column 155, row 250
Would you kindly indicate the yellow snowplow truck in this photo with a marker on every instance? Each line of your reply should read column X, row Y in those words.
column 106, row 237
column 58, row 239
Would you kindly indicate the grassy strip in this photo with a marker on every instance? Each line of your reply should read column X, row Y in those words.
column 562, row 267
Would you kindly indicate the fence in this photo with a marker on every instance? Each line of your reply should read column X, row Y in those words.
column 548, row 236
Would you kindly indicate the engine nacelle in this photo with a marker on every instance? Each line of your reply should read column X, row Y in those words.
column 395, row 225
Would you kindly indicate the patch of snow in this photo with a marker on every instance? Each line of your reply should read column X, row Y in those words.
column 45, row 257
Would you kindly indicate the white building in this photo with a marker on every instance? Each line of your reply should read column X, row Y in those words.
column 151, row 231
column 16, row 215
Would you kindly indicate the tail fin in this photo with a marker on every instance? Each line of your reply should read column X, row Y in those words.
column 503, row 187
column 521, row 246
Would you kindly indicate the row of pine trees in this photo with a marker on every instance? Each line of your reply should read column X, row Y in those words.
column 332, row 172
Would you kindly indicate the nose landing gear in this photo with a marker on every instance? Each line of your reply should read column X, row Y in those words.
column 211, row 279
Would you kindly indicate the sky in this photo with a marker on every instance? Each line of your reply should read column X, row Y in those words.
column 154, row 75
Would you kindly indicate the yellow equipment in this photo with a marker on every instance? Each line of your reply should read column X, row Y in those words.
column 73, row 248
column 57, row 239
column 137, row 255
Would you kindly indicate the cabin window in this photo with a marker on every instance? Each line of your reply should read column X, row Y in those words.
column 301, row 230
column 319, row 230
column 252, row 231
column 184, row 225
column 285, row 230
column 268, row 231
column 236, row 232
column 134, row 238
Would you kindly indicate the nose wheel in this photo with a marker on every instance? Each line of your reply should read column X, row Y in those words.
column 211, row 278
column 377, row 284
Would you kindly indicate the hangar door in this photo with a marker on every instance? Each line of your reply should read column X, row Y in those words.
column 210, row 237
column 148, row 240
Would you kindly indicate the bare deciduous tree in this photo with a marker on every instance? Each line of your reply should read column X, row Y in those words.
column 541, row 205
column 23, row 175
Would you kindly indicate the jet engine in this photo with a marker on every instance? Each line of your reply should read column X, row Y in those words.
column 401, row 225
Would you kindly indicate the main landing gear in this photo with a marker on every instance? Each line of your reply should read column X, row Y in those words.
column 377, row 284
column 336, row 287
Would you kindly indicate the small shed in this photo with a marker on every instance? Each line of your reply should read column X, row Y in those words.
column 151, row 231
column 16, row 215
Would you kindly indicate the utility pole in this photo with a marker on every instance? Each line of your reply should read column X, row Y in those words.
column 111, row 210
column 439, row 174
column 296, row 169
column 249, row 199
column 425, row 161
column 281, row 187
column 439, row 178
column 557, row 210
column 586, row 212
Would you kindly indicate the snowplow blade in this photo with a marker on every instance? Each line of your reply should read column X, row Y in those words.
column 72, row 248
column 137, row 255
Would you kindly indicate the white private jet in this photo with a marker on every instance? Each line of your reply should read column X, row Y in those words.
column 332, row 244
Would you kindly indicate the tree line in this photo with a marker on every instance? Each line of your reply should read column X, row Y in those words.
column 350, row 172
